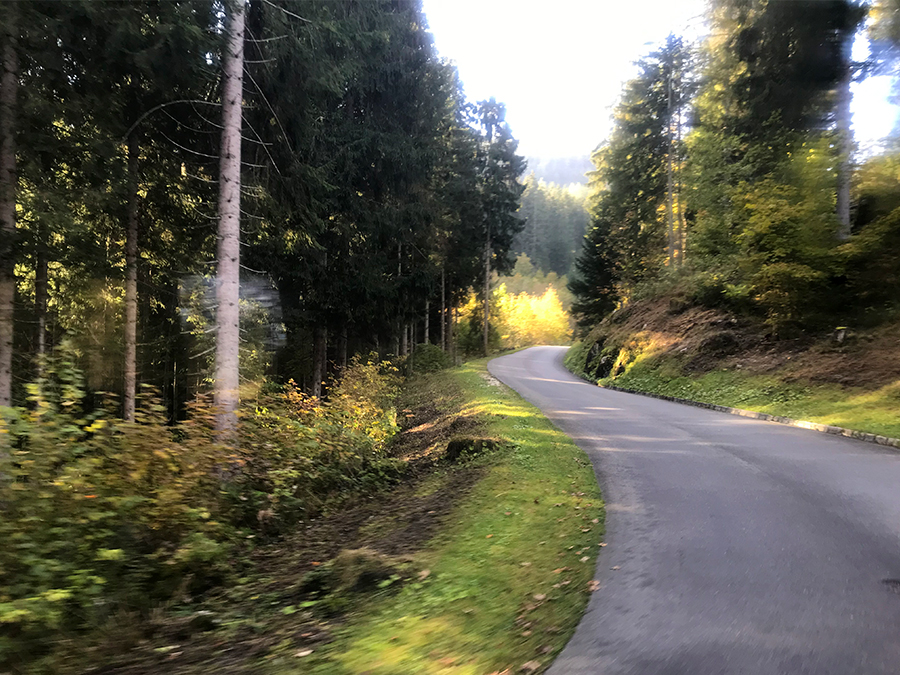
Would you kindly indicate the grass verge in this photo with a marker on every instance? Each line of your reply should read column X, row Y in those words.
column 873, row 411
column 508, row 574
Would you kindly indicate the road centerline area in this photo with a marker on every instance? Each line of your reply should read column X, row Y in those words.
column 735, row 545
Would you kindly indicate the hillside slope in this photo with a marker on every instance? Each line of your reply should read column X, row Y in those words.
column 848, row 378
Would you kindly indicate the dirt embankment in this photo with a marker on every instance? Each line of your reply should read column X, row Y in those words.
column 698, row 340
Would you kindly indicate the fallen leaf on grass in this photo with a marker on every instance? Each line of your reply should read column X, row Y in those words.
column 585, row 559
column 303, row 652
column 561, row 569
column 525, row 564
column 424, row 574
column 529, row 667
column 595, row 521
column 540, row 597
column 602, row 543
column 585, row 529
column 593, row 585
column 526, row 633
column 489, row 536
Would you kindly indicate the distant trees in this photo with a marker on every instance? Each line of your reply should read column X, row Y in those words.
column 354, row 177
column 764, row 167
column 554, row 220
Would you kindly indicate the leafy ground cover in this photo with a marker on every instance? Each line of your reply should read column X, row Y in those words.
column 709, row 356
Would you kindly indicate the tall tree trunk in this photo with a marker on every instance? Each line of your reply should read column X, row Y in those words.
column 487, row 287
column 682, row 224
column 845, row 144
column 443, row 312
column 131, row 299
column 670, row 189
column 9, row 83
column 404, row 339
column 40, row 296
column 320, row 356
column 342, row 348
column 228, row 275
column 454, row 316
column 427, row 339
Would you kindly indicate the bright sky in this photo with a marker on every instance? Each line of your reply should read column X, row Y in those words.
column 559, row 66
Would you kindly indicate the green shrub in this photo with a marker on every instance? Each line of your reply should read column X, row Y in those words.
column 428, row 358
column 101, row 516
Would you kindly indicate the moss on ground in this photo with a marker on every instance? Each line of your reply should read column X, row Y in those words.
column 870, row 410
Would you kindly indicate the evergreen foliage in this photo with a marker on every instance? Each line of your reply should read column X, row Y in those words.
column 762, row 173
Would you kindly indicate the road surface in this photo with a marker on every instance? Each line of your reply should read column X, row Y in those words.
column 743, row 546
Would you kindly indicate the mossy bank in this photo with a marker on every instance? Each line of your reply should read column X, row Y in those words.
column 844, row 378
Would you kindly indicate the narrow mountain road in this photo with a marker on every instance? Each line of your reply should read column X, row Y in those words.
column 735, row 545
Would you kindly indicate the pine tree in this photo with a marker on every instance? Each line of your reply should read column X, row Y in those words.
column 9, row 81
column 228, row 275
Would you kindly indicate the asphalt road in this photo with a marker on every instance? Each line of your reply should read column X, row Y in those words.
column 743, row 546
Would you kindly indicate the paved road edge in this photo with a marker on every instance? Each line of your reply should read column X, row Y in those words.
column 893, row 443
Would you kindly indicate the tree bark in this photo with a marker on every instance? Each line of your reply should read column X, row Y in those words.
column 342, row 348
column 487, row 288
column 845, row 144
column 454, row 315
column 404, row 339
column 320, row 355
column 131, row 299
column 9, row 83
column 427, row 338
column 228, row 273
column 443, row 312
column 40, row 296
column 670, row 185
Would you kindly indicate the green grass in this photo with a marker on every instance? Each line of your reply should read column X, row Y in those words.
column 876, row 412
column 508, row 575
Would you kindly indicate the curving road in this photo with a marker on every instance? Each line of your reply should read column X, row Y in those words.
column 742, row 546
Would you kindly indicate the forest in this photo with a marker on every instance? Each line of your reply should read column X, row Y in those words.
column 226, row 230
column 234, row 233
column 730, row 179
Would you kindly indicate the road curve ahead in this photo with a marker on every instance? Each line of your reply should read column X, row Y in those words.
column 742, row 546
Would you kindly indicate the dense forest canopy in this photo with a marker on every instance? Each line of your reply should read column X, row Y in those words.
column 730, row 179
column 224, row 227
column 369, row 192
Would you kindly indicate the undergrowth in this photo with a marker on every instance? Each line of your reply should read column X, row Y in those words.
column 104, row 519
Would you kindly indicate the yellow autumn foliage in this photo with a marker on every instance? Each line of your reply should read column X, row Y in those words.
column 525, row 319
